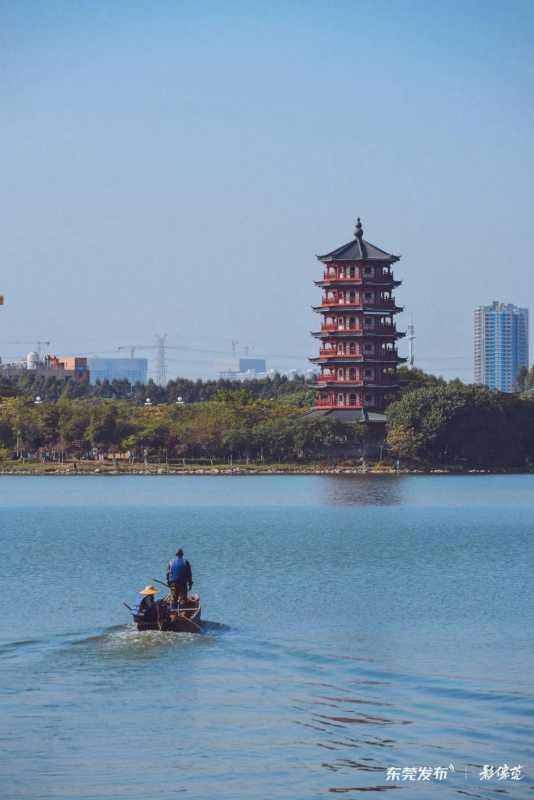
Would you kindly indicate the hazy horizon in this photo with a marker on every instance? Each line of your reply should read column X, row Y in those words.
column 175, row 167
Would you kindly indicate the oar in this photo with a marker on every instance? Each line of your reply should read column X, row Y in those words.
column 127, row 606
column 161, row 583
column 193, row 623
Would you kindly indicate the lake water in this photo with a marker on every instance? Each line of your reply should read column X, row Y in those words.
column 355, row 624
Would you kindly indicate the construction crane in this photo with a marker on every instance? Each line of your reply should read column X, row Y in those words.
column 39, row 343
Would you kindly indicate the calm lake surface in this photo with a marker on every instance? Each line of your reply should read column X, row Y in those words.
column 355, row 624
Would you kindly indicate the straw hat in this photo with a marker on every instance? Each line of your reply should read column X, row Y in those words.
column 149, row 590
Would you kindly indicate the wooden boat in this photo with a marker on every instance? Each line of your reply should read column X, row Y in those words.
column 184, row 620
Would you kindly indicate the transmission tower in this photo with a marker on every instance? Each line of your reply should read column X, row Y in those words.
column 161, row 362
column 411, row 343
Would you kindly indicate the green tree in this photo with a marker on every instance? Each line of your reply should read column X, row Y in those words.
column 457, row 425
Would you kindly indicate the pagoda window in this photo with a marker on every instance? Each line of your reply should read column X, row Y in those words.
column 368, row 322
column 369, row 373
column 369, row 296
column 369, row 348
column 368, row 270
column 352, row 323
column 352, row 272
column 352, row 399
column 340, row 399
column 352, row 297
column 352, row 374
column 352, row 348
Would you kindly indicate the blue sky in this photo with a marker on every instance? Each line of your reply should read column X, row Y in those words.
column 175, row 167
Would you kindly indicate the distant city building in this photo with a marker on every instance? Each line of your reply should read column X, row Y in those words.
column 501, row 344
column 254, row 364
column 77, row 365
column 134, row 370
column 49, row 367
column 246, row 369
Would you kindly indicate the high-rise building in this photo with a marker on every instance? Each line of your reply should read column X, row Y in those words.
column 501, row 344
column 358, row 357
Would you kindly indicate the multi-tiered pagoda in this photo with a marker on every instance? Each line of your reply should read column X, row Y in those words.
column 358, row 356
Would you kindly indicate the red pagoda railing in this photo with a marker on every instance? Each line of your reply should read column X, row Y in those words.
column 327, row 326
column 357, row 381
column 334, row 277
column 384, row 302
column 325, row 301
column 388, row 355
column 333, row 328
column 386, row 277
column 330, row 326
column 330, row 404
column 327, row 353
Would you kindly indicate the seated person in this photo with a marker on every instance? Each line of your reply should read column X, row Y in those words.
column 146, row 608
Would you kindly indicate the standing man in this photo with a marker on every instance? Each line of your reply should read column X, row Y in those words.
column 179, row 578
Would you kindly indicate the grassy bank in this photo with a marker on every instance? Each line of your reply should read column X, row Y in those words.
column 343, row 468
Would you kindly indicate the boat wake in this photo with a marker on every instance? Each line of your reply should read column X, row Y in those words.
column 126, row 641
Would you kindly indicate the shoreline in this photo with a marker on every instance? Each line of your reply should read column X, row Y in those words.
column 84, row 469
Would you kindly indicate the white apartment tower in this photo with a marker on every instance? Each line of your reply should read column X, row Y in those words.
column 501, row 344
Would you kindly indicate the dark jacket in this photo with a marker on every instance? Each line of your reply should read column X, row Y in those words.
column 146, row 609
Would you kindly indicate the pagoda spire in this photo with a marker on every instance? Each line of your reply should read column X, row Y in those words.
column 358, row 229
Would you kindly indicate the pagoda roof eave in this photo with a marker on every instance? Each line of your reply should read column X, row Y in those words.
column 343, row 361
column 359, row 333
column 389, row 259
column 359, row 282
column 358, row 250
column 359, row 309
column 333, row 384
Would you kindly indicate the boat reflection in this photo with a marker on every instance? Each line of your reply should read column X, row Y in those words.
column 363, row 490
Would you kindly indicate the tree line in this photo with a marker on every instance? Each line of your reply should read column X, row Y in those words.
column 434, row 423
column 294, row 391
column 297, row 390
column 232, row 426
